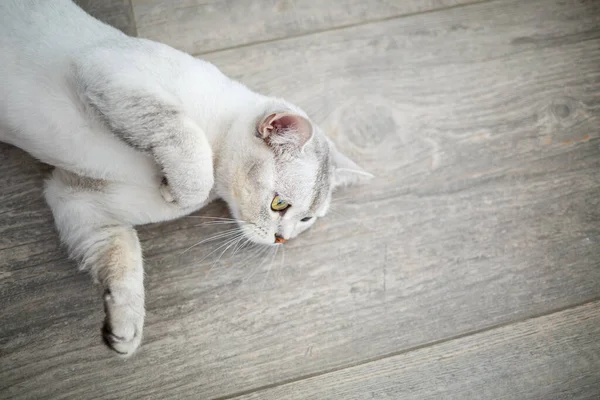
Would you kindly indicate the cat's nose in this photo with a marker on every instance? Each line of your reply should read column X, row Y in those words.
column 280, row 239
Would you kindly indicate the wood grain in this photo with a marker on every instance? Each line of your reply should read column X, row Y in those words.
column 199, row 26
column 552, row 357
column 481, row 125
column 117, row 13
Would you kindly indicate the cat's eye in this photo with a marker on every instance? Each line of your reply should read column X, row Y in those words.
column 278, row 204
column 306, row 219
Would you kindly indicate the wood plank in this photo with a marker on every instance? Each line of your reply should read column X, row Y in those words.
column 552, row 357
column 22, row 179
column 484, row 211
column 117, row 13
column 199, row 26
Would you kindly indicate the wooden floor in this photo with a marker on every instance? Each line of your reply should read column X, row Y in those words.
column 469, row 269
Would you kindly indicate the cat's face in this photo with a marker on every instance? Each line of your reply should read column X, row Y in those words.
column 280, row 181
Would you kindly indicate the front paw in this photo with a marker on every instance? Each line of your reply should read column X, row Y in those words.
column 186, row 191
column 124, row 322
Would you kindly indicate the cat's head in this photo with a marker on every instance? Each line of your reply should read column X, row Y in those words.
column 280, row 173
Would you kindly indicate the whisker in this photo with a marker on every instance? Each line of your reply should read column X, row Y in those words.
column 241, row 244
column 266, row 279
column 215, row 237
column 280, row 269
column 260, row 253
column 258, row 249
column 214, row 218
column 238, row 245
column 229, row 243
column 232, row 242
column 229, row 240
column 252, row 256
column 219, row 223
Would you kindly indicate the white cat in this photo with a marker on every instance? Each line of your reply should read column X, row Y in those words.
column 139, row 133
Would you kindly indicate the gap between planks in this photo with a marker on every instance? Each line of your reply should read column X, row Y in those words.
column 340, row 27
column 490, row 328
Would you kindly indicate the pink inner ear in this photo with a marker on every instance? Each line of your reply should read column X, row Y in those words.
column 296, row 127
column 265, row 128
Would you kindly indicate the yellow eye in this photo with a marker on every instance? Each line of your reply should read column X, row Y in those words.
column 278, row 204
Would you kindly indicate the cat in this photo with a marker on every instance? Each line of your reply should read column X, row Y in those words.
column 139, row 132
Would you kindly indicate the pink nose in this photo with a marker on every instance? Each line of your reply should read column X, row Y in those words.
column 279, row 239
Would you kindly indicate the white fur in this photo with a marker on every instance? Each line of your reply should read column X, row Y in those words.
column 57, row 61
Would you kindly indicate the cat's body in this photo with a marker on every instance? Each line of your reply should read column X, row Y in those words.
column 58, row 49
column 139, row 133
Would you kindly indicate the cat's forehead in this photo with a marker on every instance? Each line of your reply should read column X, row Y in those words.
column 295, row 178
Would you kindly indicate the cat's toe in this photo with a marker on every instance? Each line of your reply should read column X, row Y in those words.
column 122, row 345
column 122, row 330
column 165, row 192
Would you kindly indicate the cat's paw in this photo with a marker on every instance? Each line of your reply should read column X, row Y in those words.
column 187, row 189
column 187, row 165
column 124, row 322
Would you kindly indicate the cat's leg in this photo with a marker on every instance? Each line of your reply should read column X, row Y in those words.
column 107, row 247
column 152, row 121
column 177, row 144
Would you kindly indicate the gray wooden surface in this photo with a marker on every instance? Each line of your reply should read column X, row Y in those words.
column 118, row 13
column 198, row 26
column 541, row 358
column 481, row 123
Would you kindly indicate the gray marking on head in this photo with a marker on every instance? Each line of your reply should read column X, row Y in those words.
column 322, row 180
column 255, row 170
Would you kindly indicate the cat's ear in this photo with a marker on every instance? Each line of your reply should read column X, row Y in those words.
column 345, row 171
column 285, row 131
